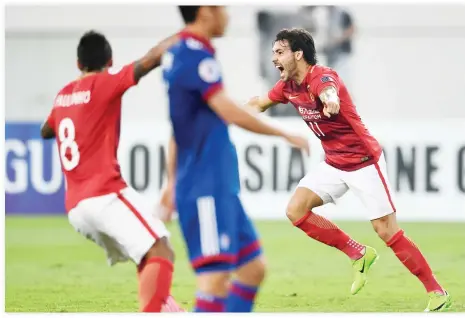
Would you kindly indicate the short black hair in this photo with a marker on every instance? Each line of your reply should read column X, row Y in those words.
column 189, row 13
column 94, row 51
column 299, row 40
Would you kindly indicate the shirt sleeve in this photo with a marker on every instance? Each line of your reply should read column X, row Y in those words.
column 51, row 119
column 119, row 79
column 203, row 74
column 323, row 80
column 276, row 94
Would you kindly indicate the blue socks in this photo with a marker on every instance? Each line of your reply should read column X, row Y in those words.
column 209, row 303
column 241, row 298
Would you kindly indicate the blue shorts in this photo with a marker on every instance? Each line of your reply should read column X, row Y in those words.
column 218, row 233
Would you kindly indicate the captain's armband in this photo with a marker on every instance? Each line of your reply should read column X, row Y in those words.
column 329, row 94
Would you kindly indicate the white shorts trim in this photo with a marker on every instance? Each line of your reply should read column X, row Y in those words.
column 370, row 184
column 121, row 223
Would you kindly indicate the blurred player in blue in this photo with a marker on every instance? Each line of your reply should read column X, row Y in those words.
column 203, row 168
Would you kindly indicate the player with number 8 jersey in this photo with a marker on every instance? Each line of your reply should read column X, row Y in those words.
column 85, row 119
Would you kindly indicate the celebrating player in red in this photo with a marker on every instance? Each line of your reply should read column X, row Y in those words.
column 354, row 160
column 85, row 119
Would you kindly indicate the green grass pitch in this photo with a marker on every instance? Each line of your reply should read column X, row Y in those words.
column 50, row 268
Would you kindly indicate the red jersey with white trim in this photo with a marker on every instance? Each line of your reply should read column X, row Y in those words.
column 346, row 142
column 86, row 119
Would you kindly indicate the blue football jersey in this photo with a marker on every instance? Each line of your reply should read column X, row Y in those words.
column 206, row 157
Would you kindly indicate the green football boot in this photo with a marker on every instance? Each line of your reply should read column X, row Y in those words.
column 438, row 301
column 361, row 268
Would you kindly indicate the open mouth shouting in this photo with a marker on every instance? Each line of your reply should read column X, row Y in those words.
column 280, row 68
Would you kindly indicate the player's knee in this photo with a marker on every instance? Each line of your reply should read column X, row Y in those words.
column 214, row 283
column 253, row 273
column 295, row 210
column 386, row 227
column 258, row 271
column 303, row 201
column 161, row 248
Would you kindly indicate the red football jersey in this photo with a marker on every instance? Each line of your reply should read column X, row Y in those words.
column 347, row 143
column 86, row 119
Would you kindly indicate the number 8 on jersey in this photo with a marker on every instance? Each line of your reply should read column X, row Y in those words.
column 67, row 135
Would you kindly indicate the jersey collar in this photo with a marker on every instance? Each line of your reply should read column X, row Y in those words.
column 185, row 34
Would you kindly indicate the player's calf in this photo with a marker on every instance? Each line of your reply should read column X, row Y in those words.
column 299, row 211
column 244, row 288
column 407, row 252
column 155, row 275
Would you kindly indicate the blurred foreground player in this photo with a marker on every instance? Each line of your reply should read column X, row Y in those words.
column 85, row 118
column 203, row 167
column 354, row 160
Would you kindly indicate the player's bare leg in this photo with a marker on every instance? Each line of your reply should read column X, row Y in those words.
column 212, row 291
column 409, row 254
column 243, row 290
column 155, row 273
column 299, row 211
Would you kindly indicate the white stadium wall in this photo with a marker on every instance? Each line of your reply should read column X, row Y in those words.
column 407, row 77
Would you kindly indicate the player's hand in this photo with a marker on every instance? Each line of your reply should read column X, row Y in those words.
column 331, row 108
column 167, row 202
column 299, row 142
column 252, row 104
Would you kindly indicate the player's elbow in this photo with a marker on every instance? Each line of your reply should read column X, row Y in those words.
column 45, row 136
column 47, row 133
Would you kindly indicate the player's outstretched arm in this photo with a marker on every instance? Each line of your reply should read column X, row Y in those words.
column 152, row 59
column 46, row 132
column 260, row 103
column 230, row 112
